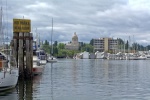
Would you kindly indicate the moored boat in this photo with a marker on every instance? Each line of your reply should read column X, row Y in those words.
column 41, row 57
column 38, row 66
column 8, row 72
column 52, row 60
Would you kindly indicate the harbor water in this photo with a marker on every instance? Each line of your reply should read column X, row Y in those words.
column 86, row 79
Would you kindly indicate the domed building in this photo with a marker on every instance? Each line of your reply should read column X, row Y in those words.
column 74, row 45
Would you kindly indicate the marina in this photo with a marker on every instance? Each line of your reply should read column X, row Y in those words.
column 90, row 50
column 87, row 79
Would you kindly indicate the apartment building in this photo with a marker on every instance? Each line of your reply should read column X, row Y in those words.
column 105, row 45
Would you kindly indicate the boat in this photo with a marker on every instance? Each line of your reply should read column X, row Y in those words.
column 9, row 71
column 41, row 57
column 142, row 57
column 147, row 56
column 38, row 66
column 37, row 69
column 51, row 58
column 39, row 54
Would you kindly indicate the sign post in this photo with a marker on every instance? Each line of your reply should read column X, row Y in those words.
column 22, row 25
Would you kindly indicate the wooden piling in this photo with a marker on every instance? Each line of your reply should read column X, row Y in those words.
column 15, row 46
column 22, row 42
column 29, row 89
column 21, row 89
column 29, row 54
column 21, row 56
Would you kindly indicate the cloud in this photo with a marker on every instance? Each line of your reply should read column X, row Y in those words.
column 88, row 18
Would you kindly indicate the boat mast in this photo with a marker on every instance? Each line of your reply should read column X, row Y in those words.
column 1, row 26
column 51, row 39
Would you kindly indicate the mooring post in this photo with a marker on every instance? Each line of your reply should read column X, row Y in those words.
column 31, row 52
column 15, row 45
column 28, row 58
column 21, row 56
column 29, row 89
column 21, row 89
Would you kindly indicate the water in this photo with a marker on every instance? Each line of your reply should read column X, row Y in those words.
column 86, row 79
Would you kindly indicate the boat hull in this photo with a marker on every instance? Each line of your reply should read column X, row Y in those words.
column 37, row 68
column 8, row 79
column 51, row 61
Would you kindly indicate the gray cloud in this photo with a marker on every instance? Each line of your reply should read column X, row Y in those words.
column 88, row 18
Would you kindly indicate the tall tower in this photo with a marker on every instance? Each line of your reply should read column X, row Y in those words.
column 75, row 39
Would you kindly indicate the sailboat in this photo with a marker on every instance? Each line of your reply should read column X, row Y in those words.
column 39, row 57
column 39, row 54
column 9, row 71
column 51, row 58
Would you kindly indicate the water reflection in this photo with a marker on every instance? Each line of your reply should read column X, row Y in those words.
column 25, row 89
column 87, row 79
column 9, row 94
column 52, row 81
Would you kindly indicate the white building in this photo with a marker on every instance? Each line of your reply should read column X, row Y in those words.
column 74, row 45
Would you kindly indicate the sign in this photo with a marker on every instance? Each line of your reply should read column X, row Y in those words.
column 21, row 25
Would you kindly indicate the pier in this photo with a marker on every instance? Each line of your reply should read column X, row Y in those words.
column 23, row 47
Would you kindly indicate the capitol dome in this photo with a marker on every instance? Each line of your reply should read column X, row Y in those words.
column 75, row 38
column 74, row 45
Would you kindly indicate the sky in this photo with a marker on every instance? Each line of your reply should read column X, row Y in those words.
column 125, row 19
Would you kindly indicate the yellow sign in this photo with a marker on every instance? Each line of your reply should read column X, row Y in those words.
column 21, row 25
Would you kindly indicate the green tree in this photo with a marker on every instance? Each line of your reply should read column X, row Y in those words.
column 61, row 46
column 55, row 50
column 92, row 42
column 127, row 45
column 87, row 47
column 55, row 43
column 46, row 48
column 46, row 42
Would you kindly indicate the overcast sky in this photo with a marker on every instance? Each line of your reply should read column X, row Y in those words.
column 88, row 18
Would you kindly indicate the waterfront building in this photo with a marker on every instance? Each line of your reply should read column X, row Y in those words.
column 105, row 45
column 74, row 45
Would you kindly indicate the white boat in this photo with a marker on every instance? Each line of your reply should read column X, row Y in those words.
column 39, row 60
column 8, row 66
column 41, row 57
column 37, row 66
column 37, row 70
column 147, row 57
column 39, row 54
column 101, row 55
column 142, row 57
column 51, row 58
column 8, row 72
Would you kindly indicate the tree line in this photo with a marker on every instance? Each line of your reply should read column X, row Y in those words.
column 60, row 51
